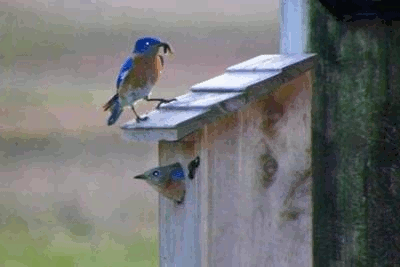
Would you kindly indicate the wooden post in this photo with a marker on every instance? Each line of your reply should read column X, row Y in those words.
column 293, row 26
column 250, row 201
column 356, row 137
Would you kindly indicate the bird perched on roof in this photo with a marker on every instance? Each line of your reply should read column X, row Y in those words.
column 137, row 76
column 167, row 180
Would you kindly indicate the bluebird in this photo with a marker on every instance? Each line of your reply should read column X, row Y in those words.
column 137, row 76
column 167, row 180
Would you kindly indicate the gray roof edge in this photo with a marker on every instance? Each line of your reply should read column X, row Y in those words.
column 137, row 132
column 309, row 59
column 154, row 134
column 146, row 135
column 271, row 66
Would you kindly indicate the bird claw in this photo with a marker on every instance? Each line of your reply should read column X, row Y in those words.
column 139, row 119
column 192, row 166
column 165, row 101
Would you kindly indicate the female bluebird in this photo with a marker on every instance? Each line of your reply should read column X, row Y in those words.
column 167, row 180
column 137, row 77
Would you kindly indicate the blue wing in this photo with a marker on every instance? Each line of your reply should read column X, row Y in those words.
column 125, row 68
column 177, row 174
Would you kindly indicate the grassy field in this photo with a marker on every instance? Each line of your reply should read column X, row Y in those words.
column 63, row 202
column 66, row 188
column 51, row 245
column 68, row 197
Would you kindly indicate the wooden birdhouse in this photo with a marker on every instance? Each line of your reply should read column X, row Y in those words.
column 249, row 203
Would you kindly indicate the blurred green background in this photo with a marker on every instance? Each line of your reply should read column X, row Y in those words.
column 66, row 188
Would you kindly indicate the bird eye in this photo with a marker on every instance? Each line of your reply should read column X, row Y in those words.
column 156, row 173
column 147, row 43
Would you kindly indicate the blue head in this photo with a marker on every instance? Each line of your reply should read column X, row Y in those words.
column 150, row 45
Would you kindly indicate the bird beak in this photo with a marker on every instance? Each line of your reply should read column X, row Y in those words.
column 141, row 176
column 167, row 48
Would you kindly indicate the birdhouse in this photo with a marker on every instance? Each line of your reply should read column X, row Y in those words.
column 249, row 203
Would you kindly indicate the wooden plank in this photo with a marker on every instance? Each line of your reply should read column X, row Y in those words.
column 193, row 100
column 224, row 196
column 172, row 125
column 179, row 225
column 163, row 119
column 294, row 24
column 250, row 203
column 241, row 84
column 355, row 141
column 233, row 82
column 258, row 182
column 265, row 63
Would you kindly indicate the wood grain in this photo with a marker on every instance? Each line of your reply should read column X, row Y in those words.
column 250, row 202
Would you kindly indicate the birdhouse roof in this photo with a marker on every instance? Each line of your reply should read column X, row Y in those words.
column 207, row 101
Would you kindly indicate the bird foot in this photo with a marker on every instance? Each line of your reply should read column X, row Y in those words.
column 192, row 166
column 165, row 101
column 139, row 119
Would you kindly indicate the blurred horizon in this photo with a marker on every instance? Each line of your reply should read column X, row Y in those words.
column 66, row 177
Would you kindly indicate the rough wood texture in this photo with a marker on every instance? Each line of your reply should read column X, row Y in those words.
column 356, row 141
column 240, row 85
column 179, row 225
column 294, row 26
column 250, row 202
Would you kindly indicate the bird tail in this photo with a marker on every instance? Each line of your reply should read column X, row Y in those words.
column 110, row 102
column 114, row 106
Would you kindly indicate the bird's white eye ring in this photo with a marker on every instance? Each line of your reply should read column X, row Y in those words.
column 147, row 43
column 156, row 173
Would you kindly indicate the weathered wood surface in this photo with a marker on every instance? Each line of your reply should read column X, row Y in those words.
column 294, row 26
column 356, row 141
column 250, row 202
column 179, row 225
column 240, row 85
column 233, row 82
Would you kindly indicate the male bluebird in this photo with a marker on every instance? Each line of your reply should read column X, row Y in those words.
column 167, row 180
column 137, row 76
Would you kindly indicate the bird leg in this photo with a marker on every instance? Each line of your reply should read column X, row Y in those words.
column 161, row 100
column 138, row 118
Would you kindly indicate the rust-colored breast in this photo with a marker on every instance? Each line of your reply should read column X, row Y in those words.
column 145, row 73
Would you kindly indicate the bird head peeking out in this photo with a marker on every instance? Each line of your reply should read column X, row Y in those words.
column 167, row 180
